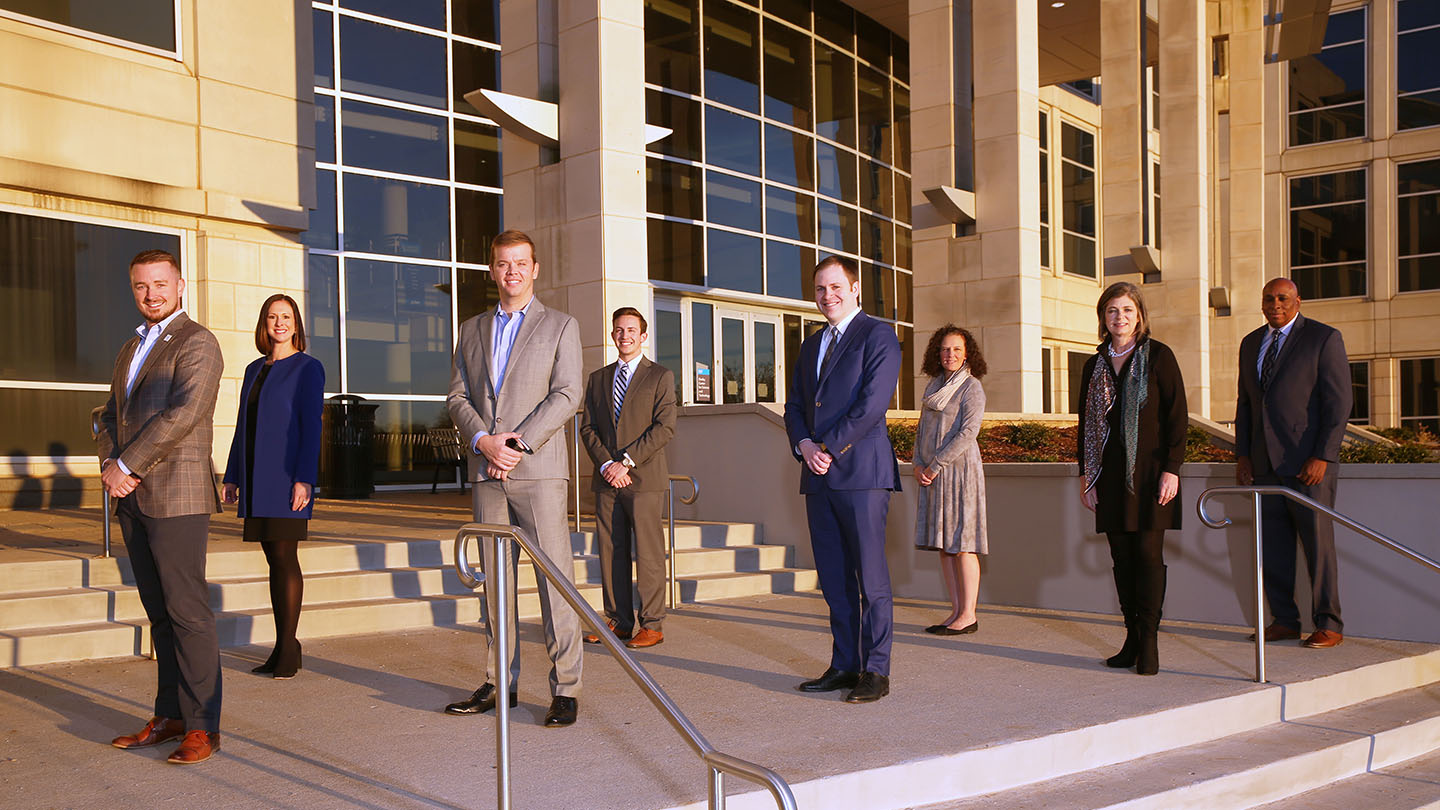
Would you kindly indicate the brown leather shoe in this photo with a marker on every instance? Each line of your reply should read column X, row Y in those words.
column 645, row 638
column 1323, row 640
column 196, row 747
column 1277, row 632
column 157, row 731
column 591, row 638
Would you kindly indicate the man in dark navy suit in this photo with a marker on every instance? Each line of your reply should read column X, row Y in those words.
column 835, row 418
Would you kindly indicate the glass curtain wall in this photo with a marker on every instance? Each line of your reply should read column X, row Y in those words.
column 408, row 182
column 791, row 142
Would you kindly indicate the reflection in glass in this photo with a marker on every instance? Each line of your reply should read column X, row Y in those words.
column 477, row 153
column 732, row 201
column 734, row 261
column 790, row 214
column 902, row 198
column 702, row 350
column 877, row 290
column 872, row 42
column 732, row 359
column 401, row 449
column 906, row 394
column 788, row 158
column 874, row 113
column 675, row 252
column 904, row 287
column 144, row 22
column 324, row 49
column 764, row 362
column 396, row 217
column 732, row 61
column 324, row 129
column 839, row 227
column 1418, row 232
column 836, row 171
column 427, row 13
column 877, row 239
column 475, row 68
column 397, row 327
column 1327, row 234
column 477, row 220
column 1078, row 145
column 1420, row 394
column 1416, row 81
column 669, row 347
column 902, row 128
column 322, row 315
column 1078, row 191
column 876, row 192
column 834, row 95
column 47, row 423
column 1327, row 89
column 682, row 117
column 394, row 63
column 673, row 189
column 1079, row 255
column 787, row 270
column 1359, row 393
column 795, row 11
column 393, row 140
column 732, row 141
column 321, row 233
column 835, row 21
column 902, row 249
column 787, row 75
column 672, row 46
column 476, row 20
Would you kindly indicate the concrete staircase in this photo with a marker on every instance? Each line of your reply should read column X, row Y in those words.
column 72, row 609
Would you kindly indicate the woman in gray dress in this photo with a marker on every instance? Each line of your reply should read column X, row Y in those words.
column 951, row 512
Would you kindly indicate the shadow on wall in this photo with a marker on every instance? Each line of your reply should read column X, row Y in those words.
column 54, row 487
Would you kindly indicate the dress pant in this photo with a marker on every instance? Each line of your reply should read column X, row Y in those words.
column 538, row 509
column 167, row 557
column 618, row 512
column 1282, row 520
column 847, row 535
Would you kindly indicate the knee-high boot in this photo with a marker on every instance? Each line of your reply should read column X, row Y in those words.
column 1125, row 590
column 1150, row 598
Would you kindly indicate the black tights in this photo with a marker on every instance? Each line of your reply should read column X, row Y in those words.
column 1137, row 550
column 287, row 587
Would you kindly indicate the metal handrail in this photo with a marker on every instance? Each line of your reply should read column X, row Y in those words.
column 670, row 510
column 716, row 763
column 95, row 428
column 1258, row 490
column 575, row 464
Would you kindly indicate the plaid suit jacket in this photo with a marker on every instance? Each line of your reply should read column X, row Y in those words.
column 163, row 429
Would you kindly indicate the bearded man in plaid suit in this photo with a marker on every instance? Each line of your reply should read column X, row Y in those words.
column 155, row 461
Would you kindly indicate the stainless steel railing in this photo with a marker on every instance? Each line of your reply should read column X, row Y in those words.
column 575, row 464
column 95, row 428
column 1256, row 492
column 716, row 763
column 670, row 512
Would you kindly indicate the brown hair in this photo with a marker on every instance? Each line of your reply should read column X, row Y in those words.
column 1128, row 290
column 512, row 237
column 633, row 312
column 155, row 256
column 852, row 270
column 262, row 335
column 973, row 358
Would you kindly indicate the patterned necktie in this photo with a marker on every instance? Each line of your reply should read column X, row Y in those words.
column 1267, row 368
column 830, row 349
column 622, row 381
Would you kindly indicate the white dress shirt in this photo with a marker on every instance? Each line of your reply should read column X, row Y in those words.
column 149, row 336
column 1265, row 342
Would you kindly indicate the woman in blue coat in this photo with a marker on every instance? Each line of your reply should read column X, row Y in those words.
column 273, row 463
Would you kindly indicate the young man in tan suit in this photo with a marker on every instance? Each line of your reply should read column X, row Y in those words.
column 155, row 460
column 629, row 418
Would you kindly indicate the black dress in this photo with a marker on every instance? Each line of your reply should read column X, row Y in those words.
column 263, row 528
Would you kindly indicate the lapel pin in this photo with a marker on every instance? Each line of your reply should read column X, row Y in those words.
column 167, row 338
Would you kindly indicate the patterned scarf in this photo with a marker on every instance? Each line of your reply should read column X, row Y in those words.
column 1100, row 398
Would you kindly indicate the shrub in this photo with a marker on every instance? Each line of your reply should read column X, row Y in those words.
column 1031, row 435
column 1409, row 453
column 902, row 437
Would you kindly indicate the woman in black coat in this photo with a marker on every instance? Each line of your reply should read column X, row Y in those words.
column 1131, row 444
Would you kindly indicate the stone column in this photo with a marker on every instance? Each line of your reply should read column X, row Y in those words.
column 1123, row 156
column 1179, row 306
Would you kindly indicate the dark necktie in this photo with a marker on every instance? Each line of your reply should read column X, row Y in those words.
column 830, row 349
column 1267, row 368
column 622, row 381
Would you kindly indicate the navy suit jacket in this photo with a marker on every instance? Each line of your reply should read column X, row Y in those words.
column 287, row 436
column 1303, row 413
column 845, row 410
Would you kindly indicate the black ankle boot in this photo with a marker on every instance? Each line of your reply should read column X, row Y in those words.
column 1151, row 591
column 289, row 662
column 269, row 665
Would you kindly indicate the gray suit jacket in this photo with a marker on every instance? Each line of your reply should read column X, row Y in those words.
column 539, row 393
column 163, row 429
column 1302, row 414
column 646, row 425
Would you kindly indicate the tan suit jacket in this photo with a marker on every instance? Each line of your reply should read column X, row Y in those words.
column 646, row 425
column 164, row 428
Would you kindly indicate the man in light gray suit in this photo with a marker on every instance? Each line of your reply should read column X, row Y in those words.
column 515, row 381
column 1290, row 417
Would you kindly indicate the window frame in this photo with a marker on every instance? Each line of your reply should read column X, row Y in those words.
column 1289, row 237
column 1395, row 231
column 177, row 55
column 1364, row 42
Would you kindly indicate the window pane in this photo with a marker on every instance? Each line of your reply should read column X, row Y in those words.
column 1328, row 124
column 145, row 22
column 1333, row 77
column 1412, row 178
column 787, row 270
column 1360, row 393
column 477, row 221
column 732, row 62
column 675, row 252
column 834, row 95
column 702, row 350
column 476, row 292
column 1078, row 145
column 1416, row 14
column 1420, row 392
column 839, row 227
column 732, row 351
column 902, row 198
column 790, row 214
column 322, row 232
column 1078, row 199
column 874, row 113
column 393, row 63
column 397, row 324
column 1415, row 60
column 906, row 393
column 1334, row 281
column 393, row 140
column 1420, row 274
column 475, row 68
column 900, row 58
column 902, row 128
column 673, row 189
column 732, row 141
column 904, row 288
column 672, row 45
column 787, row 75
column 669, row 348
column 47, row 423
column 477, row 154
column 872, row 42
column 428, row 13
column 682, row 117
column 396, row 217
column 789, row 157
column 322, row 315
column 1080, row 255
column 765, row 362
column 877, row 290
column 902, row 247
column 876, row 192
column 1418, row 229
column 732, row 201
column 66, row 298
column 324, row 49
column 877, row 239
column 733, row 261
column 476, row 20
column 835, row 21
column 795, row 11
column 324, row 129
column 401, row 448
column 1327, row 235
column 1419, row 110
column 836, row 171
column 1327, row 188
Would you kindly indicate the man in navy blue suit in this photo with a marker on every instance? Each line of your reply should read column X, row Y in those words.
column 835, row 418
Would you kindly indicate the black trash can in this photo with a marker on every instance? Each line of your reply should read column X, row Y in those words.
column 347, row 457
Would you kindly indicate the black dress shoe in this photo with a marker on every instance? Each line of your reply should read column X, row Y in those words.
column 481, row 701
column 832, row 679
column 950, row 631
column 871, row 688
column 562, row 712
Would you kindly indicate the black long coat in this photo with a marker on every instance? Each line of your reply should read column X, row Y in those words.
column 1161, row 440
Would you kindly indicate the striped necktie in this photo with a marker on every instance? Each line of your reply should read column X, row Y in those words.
column 829, row 349
column 622, row 381
column 1267, row 368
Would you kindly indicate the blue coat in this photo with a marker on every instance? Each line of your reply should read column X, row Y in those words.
column 287, row 436
column 845, row 412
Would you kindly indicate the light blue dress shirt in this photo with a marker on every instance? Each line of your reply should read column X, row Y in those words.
column 507, row 326
column 1270, row 335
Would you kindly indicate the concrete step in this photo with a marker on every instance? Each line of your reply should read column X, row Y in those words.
column 1411, row 785
column 1250, row 768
